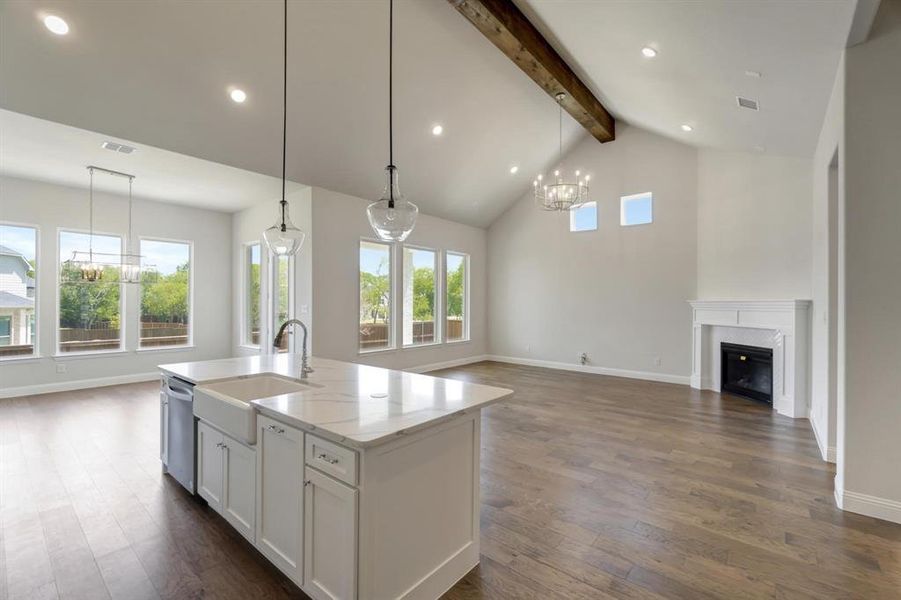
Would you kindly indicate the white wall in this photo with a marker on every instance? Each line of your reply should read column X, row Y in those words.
column 824, row 269
column 618, row 293
column 50, row 207
column 339, row 222
column 247, row 227
column 754, row 226
column 872, row 406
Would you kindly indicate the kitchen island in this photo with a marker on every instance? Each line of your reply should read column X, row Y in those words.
column 356, row 482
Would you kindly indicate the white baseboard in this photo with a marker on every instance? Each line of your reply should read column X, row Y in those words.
column 447, row 364
column 827, row 452
column 549, row 364
column 76, row 384
column 871, row 506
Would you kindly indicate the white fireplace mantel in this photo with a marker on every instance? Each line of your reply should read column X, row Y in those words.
column 787, row 321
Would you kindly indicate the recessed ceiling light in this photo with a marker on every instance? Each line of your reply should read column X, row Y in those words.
column 754, row 74
column 238, row 96
column 648, row 52
column 514, row 169
column 437, row 130
column 687, row 127
column 56, row 25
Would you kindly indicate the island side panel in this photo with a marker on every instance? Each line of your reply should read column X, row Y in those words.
column 419, row 512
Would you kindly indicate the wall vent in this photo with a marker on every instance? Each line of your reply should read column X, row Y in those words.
column 747, row 103
column 117, row 147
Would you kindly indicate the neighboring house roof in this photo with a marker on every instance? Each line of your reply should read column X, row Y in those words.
column 10, row 252
column 8, row 300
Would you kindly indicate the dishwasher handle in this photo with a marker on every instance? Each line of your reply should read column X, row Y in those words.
column 178, row 392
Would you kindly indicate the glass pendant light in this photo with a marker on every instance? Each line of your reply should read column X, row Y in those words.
column 392, row 217
column 284, row 238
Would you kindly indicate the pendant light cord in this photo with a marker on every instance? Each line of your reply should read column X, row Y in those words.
column 391, row 166
column 91, row 217
column 284, row 202
column 560, row 149
column 131, row 243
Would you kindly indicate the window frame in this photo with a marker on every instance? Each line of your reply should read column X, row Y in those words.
column 623, row 200
column 438, row 336
column 392, row 300
column 36, row 337
column 190, row 343
column 122, row 304
column 274, row 299
column 245, row 340
column 572, row 217
column 466, row 303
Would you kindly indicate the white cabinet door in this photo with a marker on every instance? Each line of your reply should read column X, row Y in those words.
column 239, row 487
column 164, row 429
column 280, row 496
column 330, row 538
column 209, row 465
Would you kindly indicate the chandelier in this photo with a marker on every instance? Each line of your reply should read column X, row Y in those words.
column 89, row 264
column 560, row 193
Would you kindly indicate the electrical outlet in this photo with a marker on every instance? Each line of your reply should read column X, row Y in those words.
column 657, row 361
column 61, row 368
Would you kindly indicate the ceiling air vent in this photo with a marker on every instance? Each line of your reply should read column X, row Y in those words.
column 117, row 147
column 747, row 103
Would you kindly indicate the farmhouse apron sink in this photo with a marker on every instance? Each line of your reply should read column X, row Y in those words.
column 226, row 404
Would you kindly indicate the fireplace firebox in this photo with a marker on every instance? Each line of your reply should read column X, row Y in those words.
column 747, row 371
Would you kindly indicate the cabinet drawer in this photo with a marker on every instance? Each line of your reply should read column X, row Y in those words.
column 328, row 457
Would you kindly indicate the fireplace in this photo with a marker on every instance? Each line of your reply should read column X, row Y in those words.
column 747, row 371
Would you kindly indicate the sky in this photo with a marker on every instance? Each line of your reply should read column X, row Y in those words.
column 372, row 254
column 162, row 256
column 638, row 211
column 165, row 257
column 20, row 239
column 584, row 218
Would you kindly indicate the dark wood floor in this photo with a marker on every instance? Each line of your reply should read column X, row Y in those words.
column 592, row 487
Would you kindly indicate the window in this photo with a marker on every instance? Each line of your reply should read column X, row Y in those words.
column 252, row 290
column 89, row 313
column 636, row 209
column 18, row 260
column 6, row 322
column 282, row 296
column 456, row 268
column 165, row 294
column 584, row 218
column 420, row 282
column 375, row 296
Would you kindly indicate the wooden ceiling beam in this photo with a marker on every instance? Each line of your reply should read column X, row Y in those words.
column 509, row 29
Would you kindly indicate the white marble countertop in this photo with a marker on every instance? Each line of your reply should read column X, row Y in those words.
column 357, row 405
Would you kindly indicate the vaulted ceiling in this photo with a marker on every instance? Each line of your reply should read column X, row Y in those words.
column 158, row 74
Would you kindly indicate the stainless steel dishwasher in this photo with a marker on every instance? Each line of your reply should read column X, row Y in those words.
column 178, row 431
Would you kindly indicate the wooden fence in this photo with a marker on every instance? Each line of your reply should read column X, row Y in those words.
column 105, row 336
column 375, row 335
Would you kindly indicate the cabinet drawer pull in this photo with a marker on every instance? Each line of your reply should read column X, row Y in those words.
column 276, row 429
column 306, row 483
column 331, row 461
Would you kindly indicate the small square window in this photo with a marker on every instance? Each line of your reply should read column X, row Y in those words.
column 584, row 218
column 637, row 209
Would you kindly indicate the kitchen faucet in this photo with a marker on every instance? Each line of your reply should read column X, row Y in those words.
column 305, row 368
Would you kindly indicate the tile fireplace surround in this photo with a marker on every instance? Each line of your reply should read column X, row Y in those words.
column 782, row 325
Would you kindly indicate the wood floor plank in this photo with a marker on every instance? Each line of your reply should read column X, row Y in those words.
column 592, row 487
